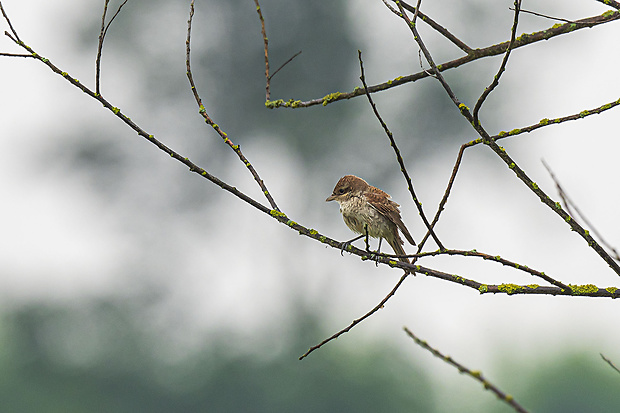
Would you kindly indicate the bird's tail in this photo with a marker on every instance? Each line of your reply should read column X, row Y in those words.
column 397, row 246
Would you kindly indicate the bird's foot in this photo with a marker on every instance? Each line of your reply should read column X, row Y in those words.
column 375, row 256
column 343, row 246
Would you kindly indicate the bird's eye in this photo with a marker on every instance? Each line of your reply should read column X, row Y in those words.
column 341, row 191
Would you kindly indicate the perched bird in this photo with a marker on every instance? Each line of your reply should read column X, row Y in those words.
column 366, row 208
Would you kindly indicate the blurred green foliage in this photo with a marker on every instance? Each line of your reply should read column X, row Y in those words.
column 102, row 358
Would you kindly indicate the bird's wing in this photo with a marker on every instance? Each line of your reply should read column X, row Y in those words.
column 388, row 208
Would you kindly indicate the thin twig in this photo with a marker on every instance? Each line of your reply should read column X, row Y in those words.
column 434, row 69
column 102, row 34
column 203, row 112
column 433, row 24
column 17, row 39
column 498, row 259
column 542, row 15
column 567, row 203
column 484, row 256
column 476, row 375
column 266, row 43
column 613, row 366
column 502, row 67
column 570, row 205
column 554, row 206
column 546, row 122
column 284, row 64
column 446, row 194
column 16, row 55
column 357, row 321
column 399, row 158
column 416, row 12
column 100, row 47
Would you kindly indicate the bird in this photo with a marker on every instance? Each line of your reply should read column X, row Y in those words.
column 368, row 210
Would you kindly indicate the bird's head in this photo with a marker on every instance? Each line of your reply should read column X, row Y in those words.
column 347, row 187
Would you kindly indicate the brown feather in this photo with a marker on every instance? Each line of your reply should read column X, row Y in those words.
column 381, row 202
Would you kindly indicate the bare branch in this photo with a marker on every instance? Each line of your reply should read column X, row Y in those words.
column 446, row 194
column 432, row 23
column 498, row 259
column 15, row 55
column 102, row 34
column 476, row 375
column 16, row 39
column 203, row 112
column 399, row 158
column 502, row 67
column 554, row 206
column 546, row 122
column 290, row 59
column 543, row 15
column 266, row 43
column 569, row 204
column 613, row 366
column 359, row 320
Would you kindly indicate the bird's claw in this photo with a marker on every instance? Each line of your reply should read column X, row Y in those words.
column 344, row 246
column 375, row 257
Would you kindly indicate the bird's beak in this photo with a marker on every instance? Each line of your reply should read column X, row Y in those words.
column 330, row 198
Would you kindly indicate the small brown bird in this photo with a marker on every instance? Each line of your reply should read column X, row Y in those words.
column 366, row 208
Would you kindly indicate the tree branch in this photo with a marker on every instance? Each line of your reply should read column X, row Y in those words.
column 476, row 375
column 493, row 50
column 399, row 158
column 203, row 112
column 102, row 34
column 502, row 67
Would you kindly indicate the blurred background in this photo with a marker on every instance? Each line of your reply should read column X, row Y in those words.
column 128, row 284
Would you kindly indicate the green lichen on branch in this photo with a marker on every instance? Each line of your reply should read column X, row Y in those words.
column 583, row 289
column 474, row 142
column 396, row 79
column 291, row 103
column 277, row 214
column 509, row 288
column 463, row 108
column 458, row 278
column 330, row 98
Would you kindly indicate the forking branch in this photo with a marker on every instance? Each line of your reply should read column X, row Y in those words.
column 557, row 287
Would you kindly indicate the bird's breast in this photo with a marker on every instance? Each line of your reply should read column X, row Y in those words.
column 357, row 213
